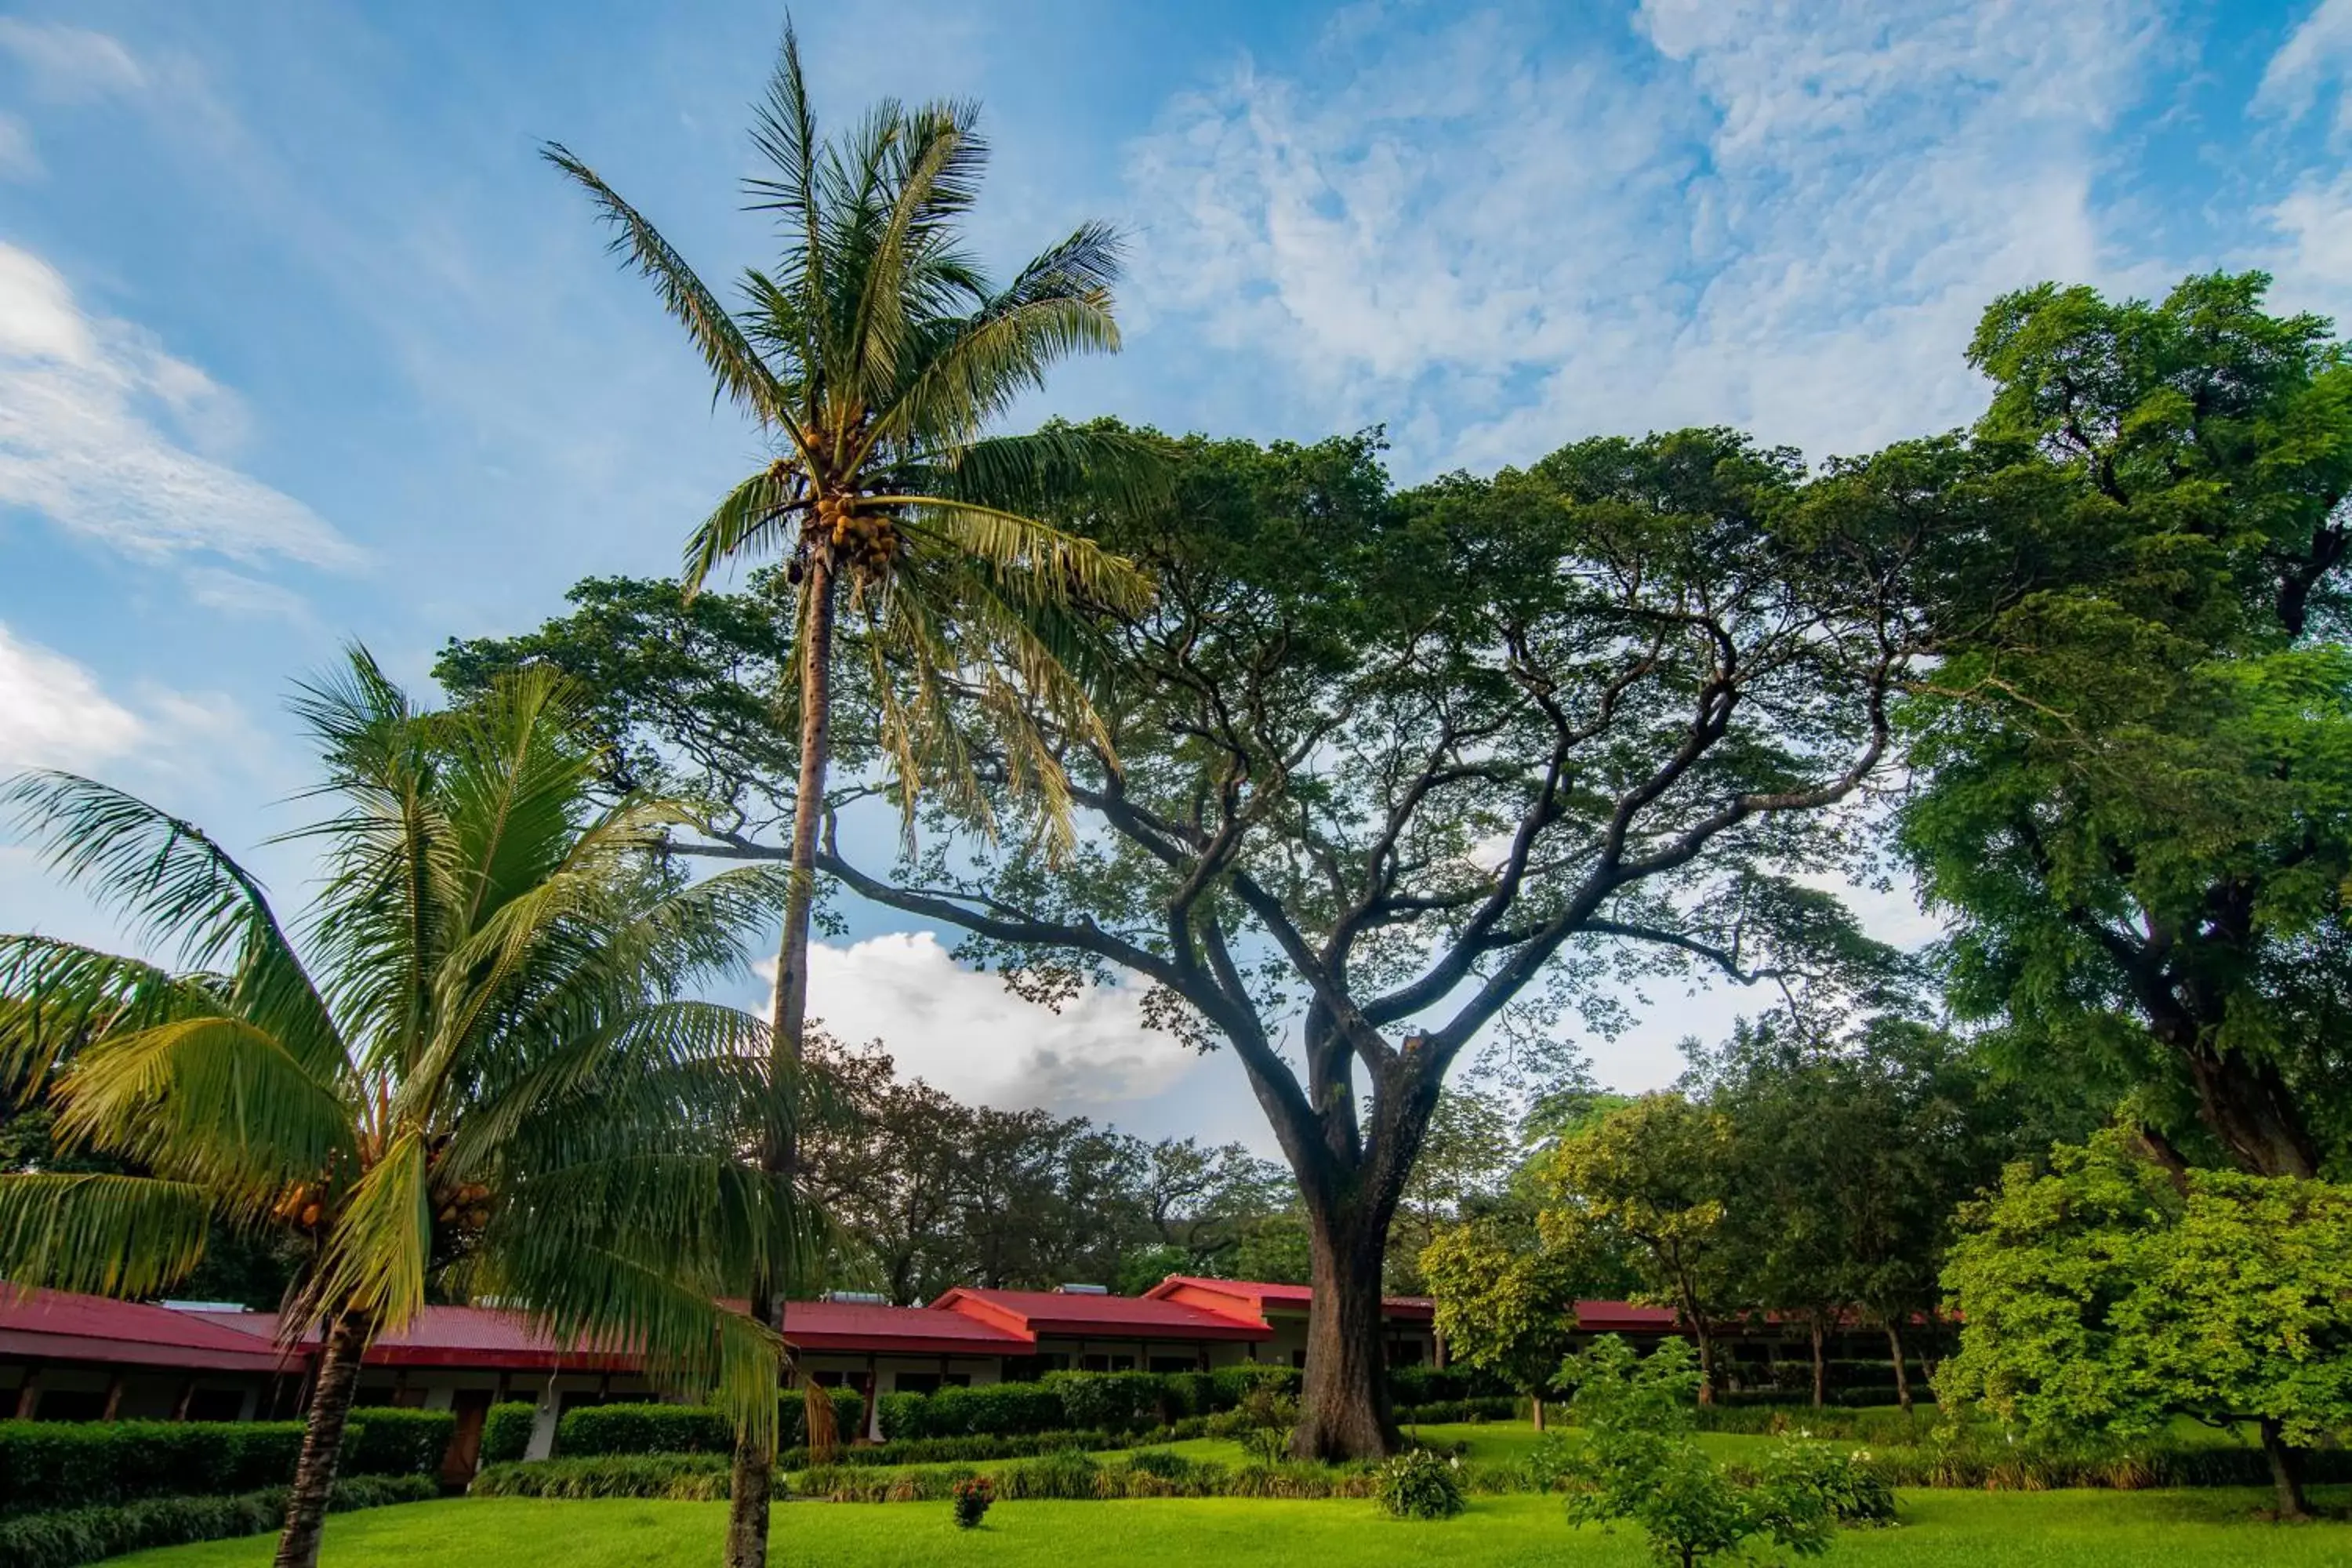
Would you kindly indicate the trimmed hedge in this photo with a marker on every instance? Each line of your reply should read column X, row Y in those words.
column 71, row 1537
column 505, row 1431
column 599, row 1429
column 673, row 1477
column 387, row 1440
column 49, row 1465
column 1483, row 1407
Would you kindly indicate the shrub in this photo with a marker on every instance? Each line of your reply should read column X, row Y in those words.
column 1845, row 1480
column 674, row 1478
column 505, row 1431
column 1481, row 1407
column 70, row 1537
column 643, row 1429
column 1110, row 1400
column 1229, row 1385
column 1417, row 1484
column 972, row 1496
column 391, row 1441
column 1066, row 1474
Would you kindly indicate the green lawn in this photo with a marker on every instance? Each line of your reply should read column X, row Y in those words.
column 1941, row 1530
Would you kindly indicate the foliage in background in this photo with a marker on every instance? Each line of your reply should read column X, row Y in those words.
column 1506, row 1301
column 2133, row 771
column 2107, row 1297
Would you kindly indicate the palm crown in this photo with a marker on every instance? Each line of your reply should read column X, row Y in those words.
column 876, row 354
column 476, row 1063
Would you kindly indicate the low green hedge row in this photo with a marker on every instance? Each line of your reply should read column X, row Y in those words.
column 1483, row 1407
column 49, row 1465
column 70, row 1537
column 673, row 1477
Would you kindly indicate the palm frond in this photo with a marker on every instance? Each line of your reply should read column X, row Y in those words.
column 735, row 368
column 1058, row 468
column 183, row 891
column 115, row 1235
column 57, row 996
column 1029, row 561
column 210, row 1101
column 752, row 517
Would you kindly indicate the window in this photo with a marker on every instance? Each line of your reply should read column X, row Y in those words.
column 916, row 1382
column 1404, row 1353
column 1174, row 1363
column 216, row 1404
column 834, row 1379
column 955, row 1379
column 1106, row 1364
column 71, row 1405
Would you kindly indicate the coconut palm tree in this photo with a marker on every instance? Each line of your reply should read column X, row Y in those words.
column 876, row 356
column 471, row 1067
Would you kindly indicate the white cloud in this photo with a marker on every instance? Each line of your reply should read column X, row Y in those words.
column 964, row 1031
column 107, row 435
column 247, row 598
column 2310, row 251
column 1782, row 216
column 2316, row 56
column 18, row 158
column 54, row 714
column 69, row 64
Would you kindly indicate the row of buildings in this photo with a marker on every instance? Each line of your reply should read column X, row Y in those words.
column 85, row 1358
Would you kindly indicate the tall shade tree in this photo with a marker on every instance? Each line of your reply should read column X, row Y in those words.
column 2135, row 770
column 470, row 1066
column 875, row 356
column 1385, row 772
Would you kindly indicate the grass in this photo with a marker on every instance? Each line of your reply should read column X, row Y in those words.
column 1941, row 1530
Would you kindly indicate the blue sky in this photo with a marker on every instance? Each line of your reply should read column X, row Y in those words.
column 300, row 341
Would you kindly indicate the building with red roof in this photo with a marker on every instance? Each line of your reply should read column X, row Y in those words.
column 66, row 1357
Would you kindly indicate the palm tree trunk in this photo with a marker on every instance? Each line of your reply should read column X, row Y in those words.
column 322, row 1442
column 754, row 1467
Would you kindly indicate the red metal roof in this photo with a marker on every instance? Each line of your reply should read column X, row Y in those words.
column 1040, row 1312
column 1624, row 1317
column 853, row 1326
column 53, row 1325
column 1257, row 1296
column 460, row 1336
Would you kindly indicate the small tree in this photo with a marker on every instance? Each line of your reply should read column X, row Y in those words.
column 1640, row 1463
column 2110, row 1296
column 1506, row 1304
column 1648, row 1184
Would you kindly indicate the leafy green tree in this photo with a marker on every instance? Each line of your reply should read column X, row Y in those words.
column 1505, row 1304
column 2131, row 770
column 1651, row 1185
column 1640, row 1462
column 1848, row 1159
column 874, row 356
column 2110, row 1295
column 474, row 1069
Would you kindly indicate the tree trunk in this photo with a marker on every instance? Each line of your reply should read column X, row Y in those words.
column 322, row 1442
column 1821, row 1362
column 754, row 1465
column 1706, row 1360
column 1902, row 1372
column 2286, row 1472
column 1535, row 1407
column 1344, row 1397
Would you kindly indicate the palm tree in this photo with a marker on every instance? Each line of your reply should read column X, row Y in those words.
column 875, row 357
column 471, row 1065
